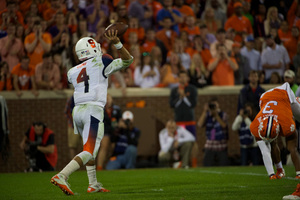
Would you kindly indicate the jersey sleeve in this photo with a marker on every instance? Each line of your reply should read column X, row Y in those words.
column 115, row 65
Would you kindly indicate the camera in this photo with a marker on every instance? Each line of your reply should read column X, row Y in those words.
column 245, row 112
column 127, row 122
column 212, row 106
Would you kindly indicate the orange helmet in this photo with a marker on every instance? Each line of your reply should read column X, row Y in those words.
column 269, row 128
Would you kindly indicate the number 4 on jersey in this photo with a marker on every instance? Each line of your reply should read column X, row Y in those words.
column 83, row 77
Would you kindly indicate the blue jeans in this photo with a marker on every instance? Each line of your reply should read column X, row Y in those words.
column 126, row 160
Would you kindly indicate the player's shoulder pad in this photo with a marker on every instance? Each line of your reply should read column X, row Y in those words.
column 106, row 59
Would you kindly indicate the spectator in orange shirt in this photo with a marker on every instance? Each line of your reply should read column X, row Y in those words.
column 284, row 33
column 11, row 48
column 37, row 43
column 49, row 14
column 134, row 27
column 239, row 23
column 293, row 14
column 291, row 45
column 149, row 41
column 222, row 67
column 191, row 27
column 167, row 35
column 5, row 77
column 48, row 74
column 197, row 48
column 13, row 14
column 23, row 77
column 170, row 70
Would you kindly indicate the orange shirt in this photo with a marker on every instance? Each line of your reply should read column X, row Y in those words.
column 44, row 6
column 148, row 45
column 169, row 78
column 24, row 76
column 168, row 41
column 140, row 33
column 205, row 55
column 277, row 103
column 25, row 6
column 50, row 12
column 291, row 47
column 240, row 24
column 191, row 31
column 156, row 6
column 284, row 37
column 291, row 15
column 223, row 74
column 36, row 56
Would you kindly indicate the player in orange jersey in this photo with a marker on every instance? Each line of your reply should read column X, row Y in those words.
column 278, row 108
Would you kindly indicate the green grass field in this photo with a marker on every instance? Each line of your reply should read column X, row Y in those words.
column 240, row 183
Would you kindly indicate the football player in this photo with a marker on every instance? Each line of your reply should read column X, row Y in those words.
column 90, row 90
column 279, row 107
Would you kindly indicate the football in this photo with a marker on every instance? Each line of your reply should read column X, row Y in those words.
column 120, row 26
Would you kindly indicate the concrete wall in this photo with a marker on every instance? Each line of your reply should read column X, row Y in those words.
column 49, row 107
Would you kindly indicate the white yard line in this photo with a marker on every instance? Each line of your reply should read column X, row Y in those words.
column 238, row 173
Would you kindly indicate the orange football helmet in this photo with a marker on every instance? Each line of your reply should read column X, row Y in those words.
column 269, row 128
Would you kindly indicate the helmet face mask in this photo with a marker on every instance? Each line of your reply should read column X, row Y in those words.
column 269, row 129
column 87, row 48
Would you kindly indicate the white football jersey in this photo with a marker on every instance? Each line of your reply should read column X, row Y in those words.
column 90, row 79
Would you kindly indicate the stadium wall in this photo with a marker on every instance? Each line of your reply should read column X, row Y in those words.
column 49, row 107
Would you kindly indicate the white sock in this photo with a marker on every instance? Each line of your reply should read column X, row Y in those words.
column 279, row 165
column 297, row 173
column 91, row 172
column 70, row 168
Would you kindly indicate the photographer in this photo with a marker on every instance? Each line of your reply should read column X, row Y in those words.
column 38, row 145
column 124, row 144
column 215, row 122
column 249, row 149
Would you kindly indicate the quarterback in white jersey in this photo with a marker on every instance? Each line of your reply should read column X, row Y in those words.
column 90, row 90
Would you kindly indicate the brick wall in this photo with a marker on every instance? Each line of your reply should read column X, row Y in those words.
column 49, row 107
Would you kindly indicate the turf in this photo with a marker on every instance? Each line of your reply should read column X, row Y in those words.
column 240, row 183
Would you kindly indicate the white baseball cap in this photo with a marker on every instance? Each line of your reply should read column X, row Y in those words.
column 127, row 115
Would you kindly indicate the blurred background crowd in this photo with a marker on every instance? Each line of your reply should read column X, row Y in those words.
column 218, row 42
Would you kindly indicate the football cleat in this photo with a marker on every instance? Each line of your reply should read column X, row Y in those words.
column 272, row 177
column 295, row 195
column 97, row 187
column 60, row 181
column 297, row 176
column 280, row 173
column 177, row 165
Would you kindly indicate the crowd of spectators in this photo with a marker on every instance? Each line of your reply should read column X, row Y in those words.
column 218, row 42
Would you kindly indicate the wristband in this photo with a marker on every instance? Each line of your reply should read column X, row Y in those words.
column 119, row 45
